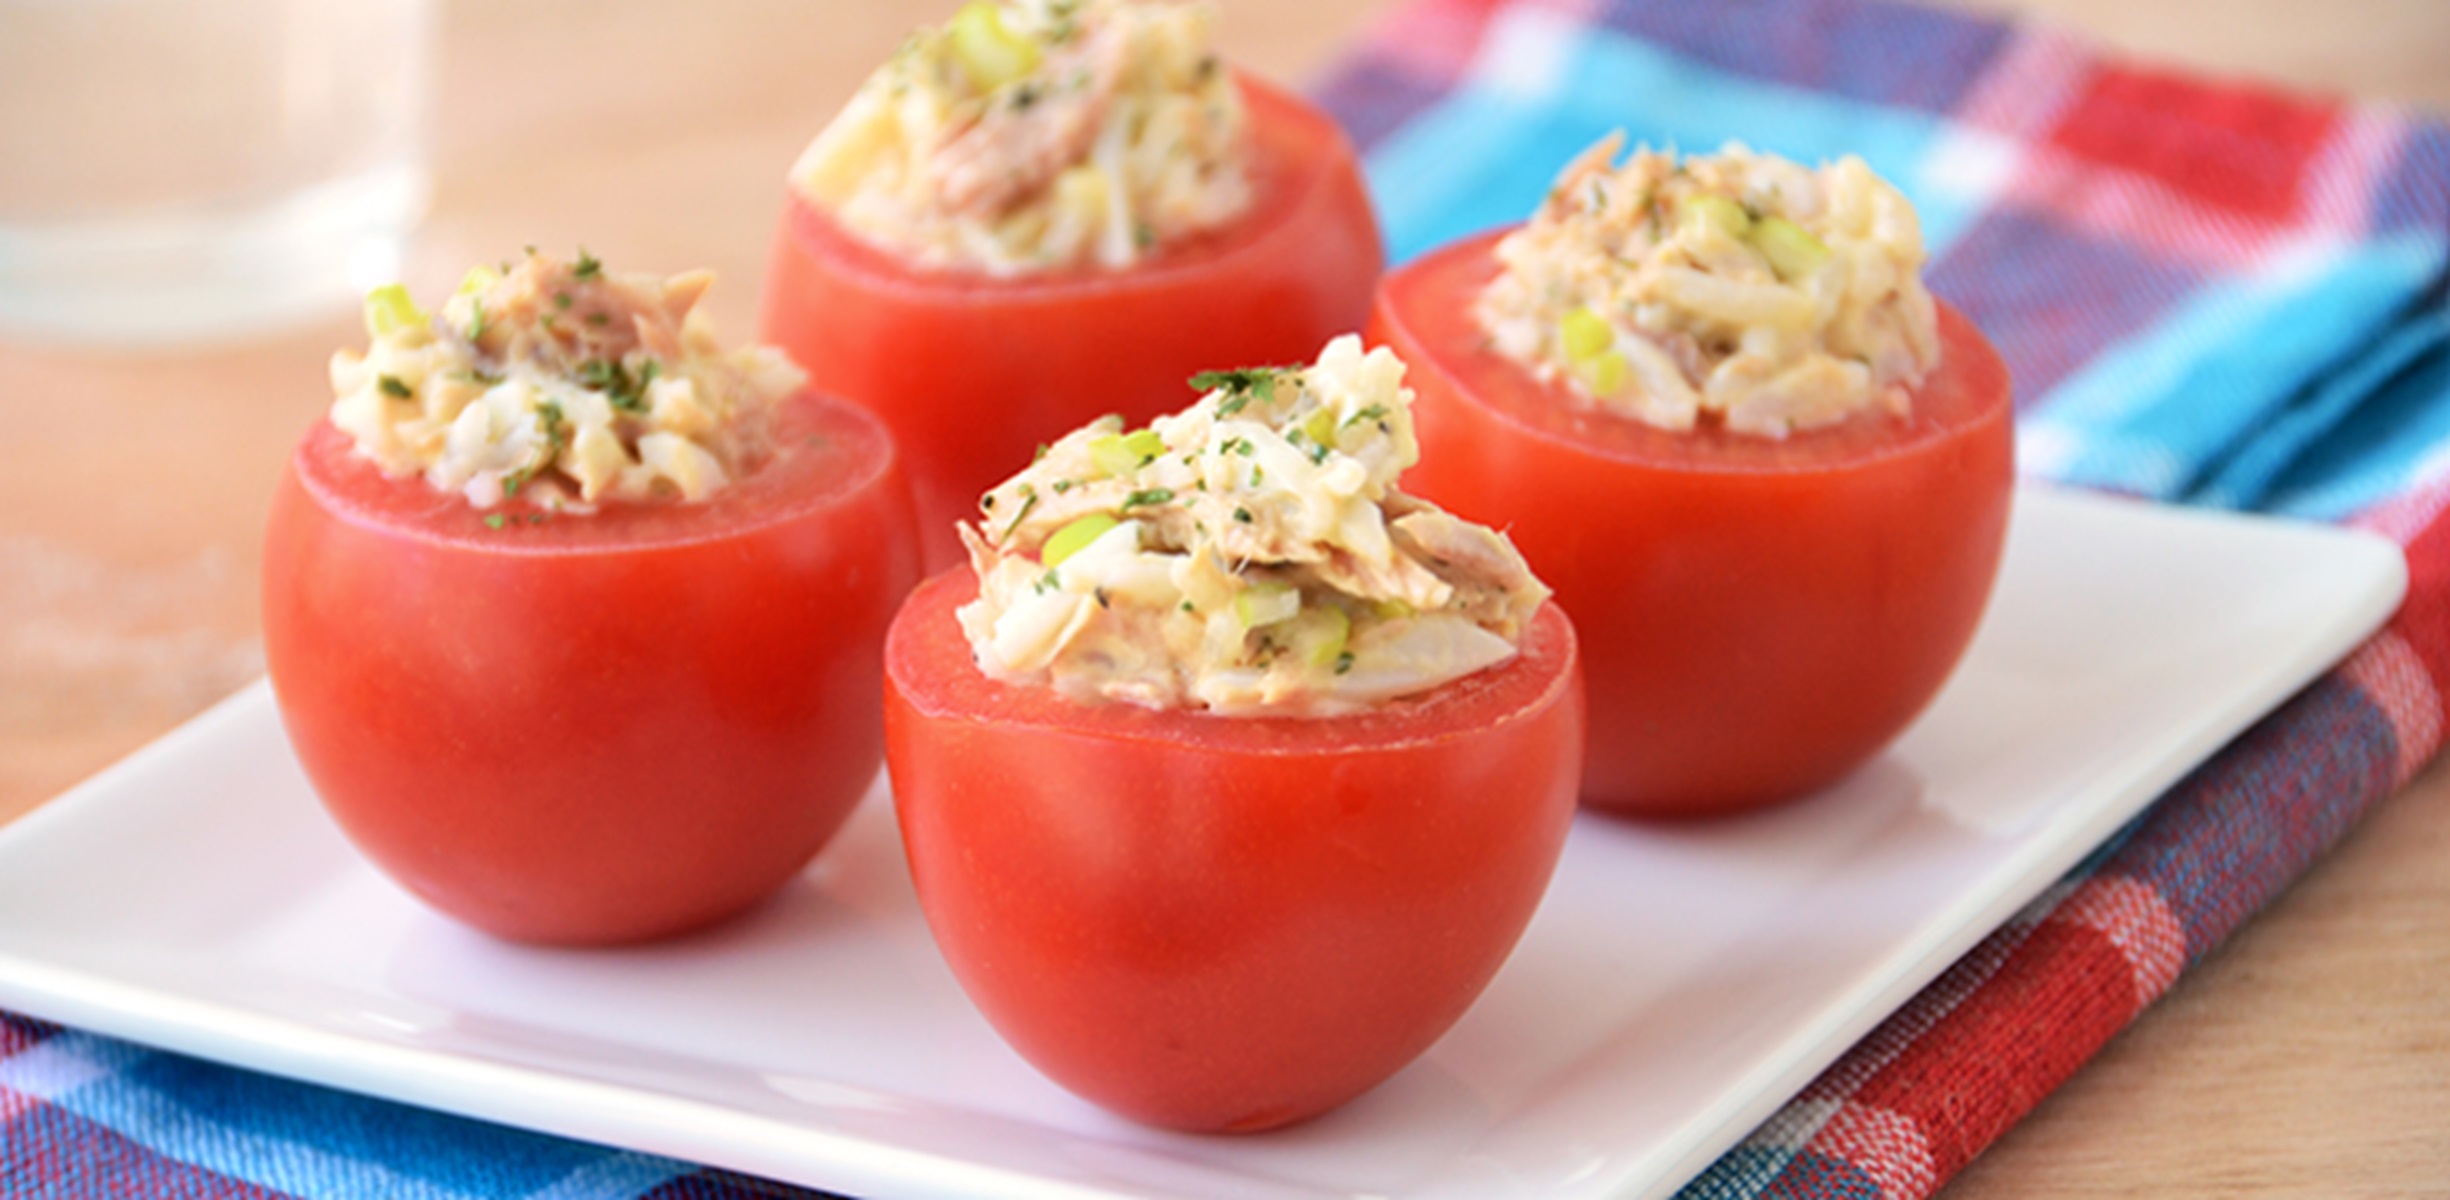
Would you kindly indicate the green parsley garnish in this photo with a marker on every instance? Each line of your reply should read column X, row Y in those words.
column 620, row 388
column 587, row 267
column 1240, row 386
column 1029, row 500
column 1344, row 662
column 1374, row 412
column 393, row 388
column 556, row 440
column 493, row 520
column 1149, row 496
column 1242, row 514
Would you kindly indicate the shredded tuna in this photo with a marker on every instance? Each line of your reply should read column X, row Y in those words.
column 1251, row 553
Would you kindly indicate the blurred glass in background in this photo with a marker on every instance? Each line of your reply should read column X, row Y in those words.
column 173, row 171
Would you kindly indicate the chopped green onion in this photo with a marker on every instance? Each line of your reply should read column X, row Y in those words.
column 1371, row 412
column 494, row 520
column 1124, row 453
column 392, row 387
column 990, row 53
column 478, row 278
column 1150, row 496
column 1320, row 427
column 1584, row 335
column 1791, row 249
column 1711, row 210
column 1264, row 604
column 389, row 310
column 1242, row 514
column 1324, row 633
column 587, row 267
column 1607, row 374
column 1075, row 537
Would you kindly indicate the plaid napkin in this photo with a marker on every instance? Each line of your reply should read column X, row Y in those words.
column 2208, row 292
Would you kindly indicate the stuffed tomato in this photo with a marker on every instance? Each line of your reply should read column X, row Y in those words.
column 1775, row 564
column 1067, row 208
column 574, row 625
column 1228, row 774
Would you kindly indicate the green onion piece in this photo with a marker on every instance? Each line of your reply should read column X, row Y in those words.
column 389, row 310
column 478, row 278
column 1320, row 426
column 1074, row 538
column 1149, row 496
column 1124, row 453
column 1791, row 249
column 990, row 53
column 1709, row 210
column 1263, row 604
column 1607, row 374
column 394, row 388
column 1323, row 634
column 1584, row 335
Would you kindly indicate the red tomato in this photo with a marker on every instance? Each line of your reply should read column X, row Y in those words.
column 1225, row 923
column 973, row 372
column 1759, row 616
column 594, row 728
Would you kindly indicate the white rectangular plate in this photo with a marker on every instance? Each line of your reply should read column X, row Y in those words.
column 1677, row 986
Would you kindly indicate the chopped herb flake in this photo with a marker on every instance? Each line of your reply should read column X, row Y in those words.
column 1029, row 500
column 1240, row 386
column 1242, row 514
column 493, row 520
column 1149, row 496
column 393, row 388
column 587, row 267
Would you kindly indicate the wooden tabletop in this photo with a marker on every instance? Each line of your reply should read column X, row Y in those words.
column 2309, row 1056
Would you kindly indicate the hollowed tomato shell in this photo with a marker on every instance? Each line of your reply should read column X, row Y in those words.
column 1758, row 617
column 595, row 728
column 1225, row 923
column 972, row 372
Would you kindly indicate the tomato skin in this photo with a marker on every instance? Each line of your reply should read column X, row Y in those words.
column 1758, row 617
column 1221, row 923
column 599, row 728
column 972, row 373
